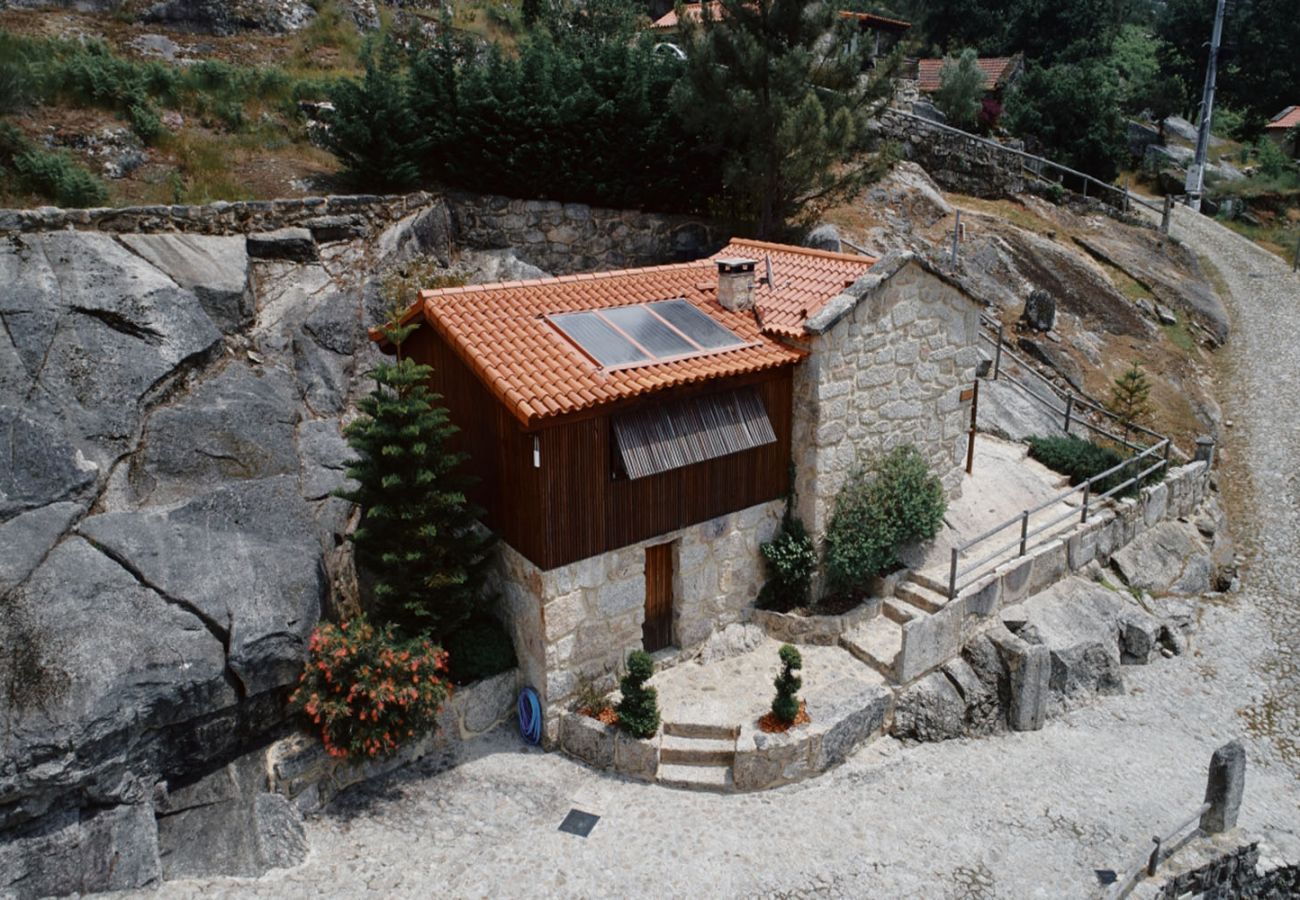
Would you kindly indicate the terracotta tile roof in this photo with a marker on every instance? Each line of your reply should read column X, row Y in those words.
column 805, row 280
column 691, row 12
column 1287, row 118
column 881, row 23
column 500, row 333
column 996, row 69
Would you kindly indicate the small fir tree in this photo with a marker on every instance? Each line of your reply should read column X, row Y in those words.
column 418, row 539
column 1130, row 398
column 961, row 87
column 372, row 130
column 638, row 711
column 785, row 706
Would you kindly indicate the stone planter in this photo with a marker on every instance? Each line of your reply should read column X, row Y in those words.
column 824, row 631
column 608, row 747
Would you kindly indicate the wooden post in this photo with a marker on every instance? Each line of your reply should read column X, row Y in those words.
column 997, row 355
column 1024, row 531
column 970, row 442
column 1167, row 214
column 1069, row 411
column 952, row 576
column 956, row 230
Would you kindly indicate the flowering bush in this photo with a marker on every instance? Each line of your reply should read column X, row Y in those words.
column 367, row 691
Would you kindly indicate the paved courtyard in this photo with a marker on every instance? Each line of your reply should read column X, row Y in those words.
column 1023, row 815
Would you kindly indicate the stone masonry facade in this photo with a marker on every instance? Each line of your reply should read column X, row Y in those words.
column 579, row 621
column 890, row 359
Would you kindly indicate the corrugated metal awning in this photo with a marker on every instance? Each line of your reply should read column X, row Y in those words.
column 680, row 433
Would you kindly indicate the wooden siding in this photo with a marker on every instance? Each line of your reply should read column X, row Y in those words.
column 572, row 507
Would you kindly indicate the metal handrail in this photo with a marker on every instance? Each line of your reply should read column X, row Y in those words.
column 955, row 573
column 1126, row 196
column 1149, row 863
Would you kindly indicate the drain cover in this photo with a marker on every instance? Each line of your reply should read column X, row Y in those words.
column 579, row 822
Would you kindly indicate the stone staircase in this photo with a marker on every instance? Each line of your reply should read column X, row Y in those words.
column 697, row 757
column 877, row 642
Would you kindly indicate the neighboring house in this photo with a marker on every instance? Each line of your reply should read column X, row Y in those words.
column 635, row 431
column 1000, row 72
column 1282, row 130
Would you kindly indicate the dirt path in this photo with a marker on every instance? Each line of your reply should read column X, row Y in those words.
column 1260, row 465
column 1024, row 815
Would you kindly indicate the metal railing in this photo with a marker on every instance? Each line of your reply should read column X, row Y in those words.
column 1147, row 866
column 959, row 577
column 1037, row 164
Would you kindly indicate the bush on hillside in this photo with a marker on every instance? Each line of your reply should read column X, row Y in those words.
column 879, row 510
column 53, row 175
column 1081, row 459
column 367, row 691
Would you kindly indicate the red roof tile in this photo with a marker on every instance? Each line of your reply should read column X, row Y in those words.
column 1287, row 118
column 499, row 330
column 871, row 20
column 691, row 11
column 996, row 69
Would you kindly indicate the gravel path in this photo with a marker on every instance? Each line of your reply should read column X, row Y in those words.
column 1024, row 815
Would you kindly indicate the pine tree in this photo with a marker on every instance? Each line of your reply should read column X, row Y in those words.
column 775, row 89
column 373, row 131
column 418, row 540
column 1130, row 398
column 638, row 711
column 785, row 706
column 961, row 86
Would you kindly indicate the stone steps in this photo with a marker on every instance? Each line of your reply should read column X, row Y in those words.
column 898, row 611
column 922, row 597
column 876, row 643
column 703, row 731
column 684, row 751
column 697, row 778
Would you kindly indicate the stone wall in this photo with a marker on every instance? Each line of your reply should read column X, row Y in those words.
column 556, row 237
column 1236, row 875
column 890, row 358
column 955, row 161
column 578, row 622
column 930, row 641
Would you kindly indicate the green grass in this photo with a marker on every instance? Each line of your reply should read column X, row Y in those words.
column 1179, row 336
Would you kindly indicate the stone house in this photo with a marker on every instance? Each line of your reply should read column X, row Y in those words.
column 1282, row 130
column 634, row 432
column 1000, row 72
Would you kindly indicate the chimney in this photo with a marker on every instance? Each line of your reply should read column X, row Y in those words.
column 736, row 283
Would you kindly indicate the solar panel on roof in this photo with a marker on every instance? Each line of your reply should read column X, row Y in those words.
column 593, row 335
column 683, row 316
column 649, row 331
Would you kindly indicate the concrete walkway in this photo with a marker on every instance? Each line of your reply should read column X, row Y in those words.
column 1025, row 815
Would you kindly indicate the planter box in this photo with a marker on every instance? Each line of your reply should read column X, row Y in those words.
column 824, row 631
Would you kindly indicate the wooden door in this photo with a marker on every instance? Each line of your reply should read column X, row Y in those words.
column 657, row 632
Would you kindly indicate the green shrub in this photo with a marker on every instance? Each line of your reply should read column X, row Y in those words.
column 1272, row 161
column 790, row 558
column 785, row 706
column 638, row 711
column 367, row 691
column 1077, row 458
column 56, row 176
column 877, row 512
column 478, row 649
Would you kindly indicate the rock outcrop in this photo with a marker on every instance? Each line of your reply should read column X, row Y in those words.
column 171, row 438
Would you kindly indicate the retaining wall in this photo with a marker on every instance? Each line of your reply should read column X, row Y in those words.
column 956, row 162
column 930, row 641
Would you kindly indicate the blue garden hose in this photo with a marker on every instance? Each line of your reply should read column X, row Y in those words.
column 530, row 716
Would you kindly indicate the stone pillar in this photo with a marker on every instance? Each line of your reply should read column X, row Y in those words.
column 1223, row 791
column 1205, row 450
column 1029, row 671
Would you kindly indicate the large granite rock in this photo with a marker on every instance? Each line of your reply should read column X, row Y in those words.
column 930, row 710
column 1167, row 559
column 214, row 267
column 1079, row 622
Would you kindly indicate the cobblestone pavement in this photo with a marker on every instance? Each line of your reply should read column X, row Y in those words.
column 1023, row 815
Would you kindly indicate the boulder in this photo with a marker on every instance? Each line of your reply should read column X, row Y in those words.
column 1055, row 356
column 1078, row 621
column 28, row 537
column 1005, row 411
column 1140, row 137
column 329, row 229
column 1180, row 127
column 983, row 711
column 237, row 424
column 424, row 233
column 1040, row 311
column 1169, row 558
column 260, row 594
column 823, row 237
column 293, row 244
column 930, row 710
column 214, row 267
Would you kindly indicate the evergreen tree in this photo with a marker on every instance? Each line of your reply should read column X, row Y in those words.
column 1130, row 397
column 961, row 87
column 785, row 706
column 373, row 131
column 418, row 539
column 775, row 89
column 1070, row 112
column 638, row 711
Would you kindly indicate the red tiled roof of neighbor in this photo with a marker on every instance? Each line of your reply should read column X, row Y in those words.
column 996, row 70
column 500, row 332
column 871, row 20
column 1287, row 118
column 691, row 11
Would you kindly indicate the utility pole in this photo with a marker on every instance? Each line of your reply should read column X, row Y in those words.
column 1196, row 174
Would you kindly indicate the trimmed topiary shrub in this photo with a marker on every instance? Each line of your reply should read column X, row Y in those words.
column 478, row 649
column 785, row 706
column 638, row 711
column 878, row 511
column 367, row 691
